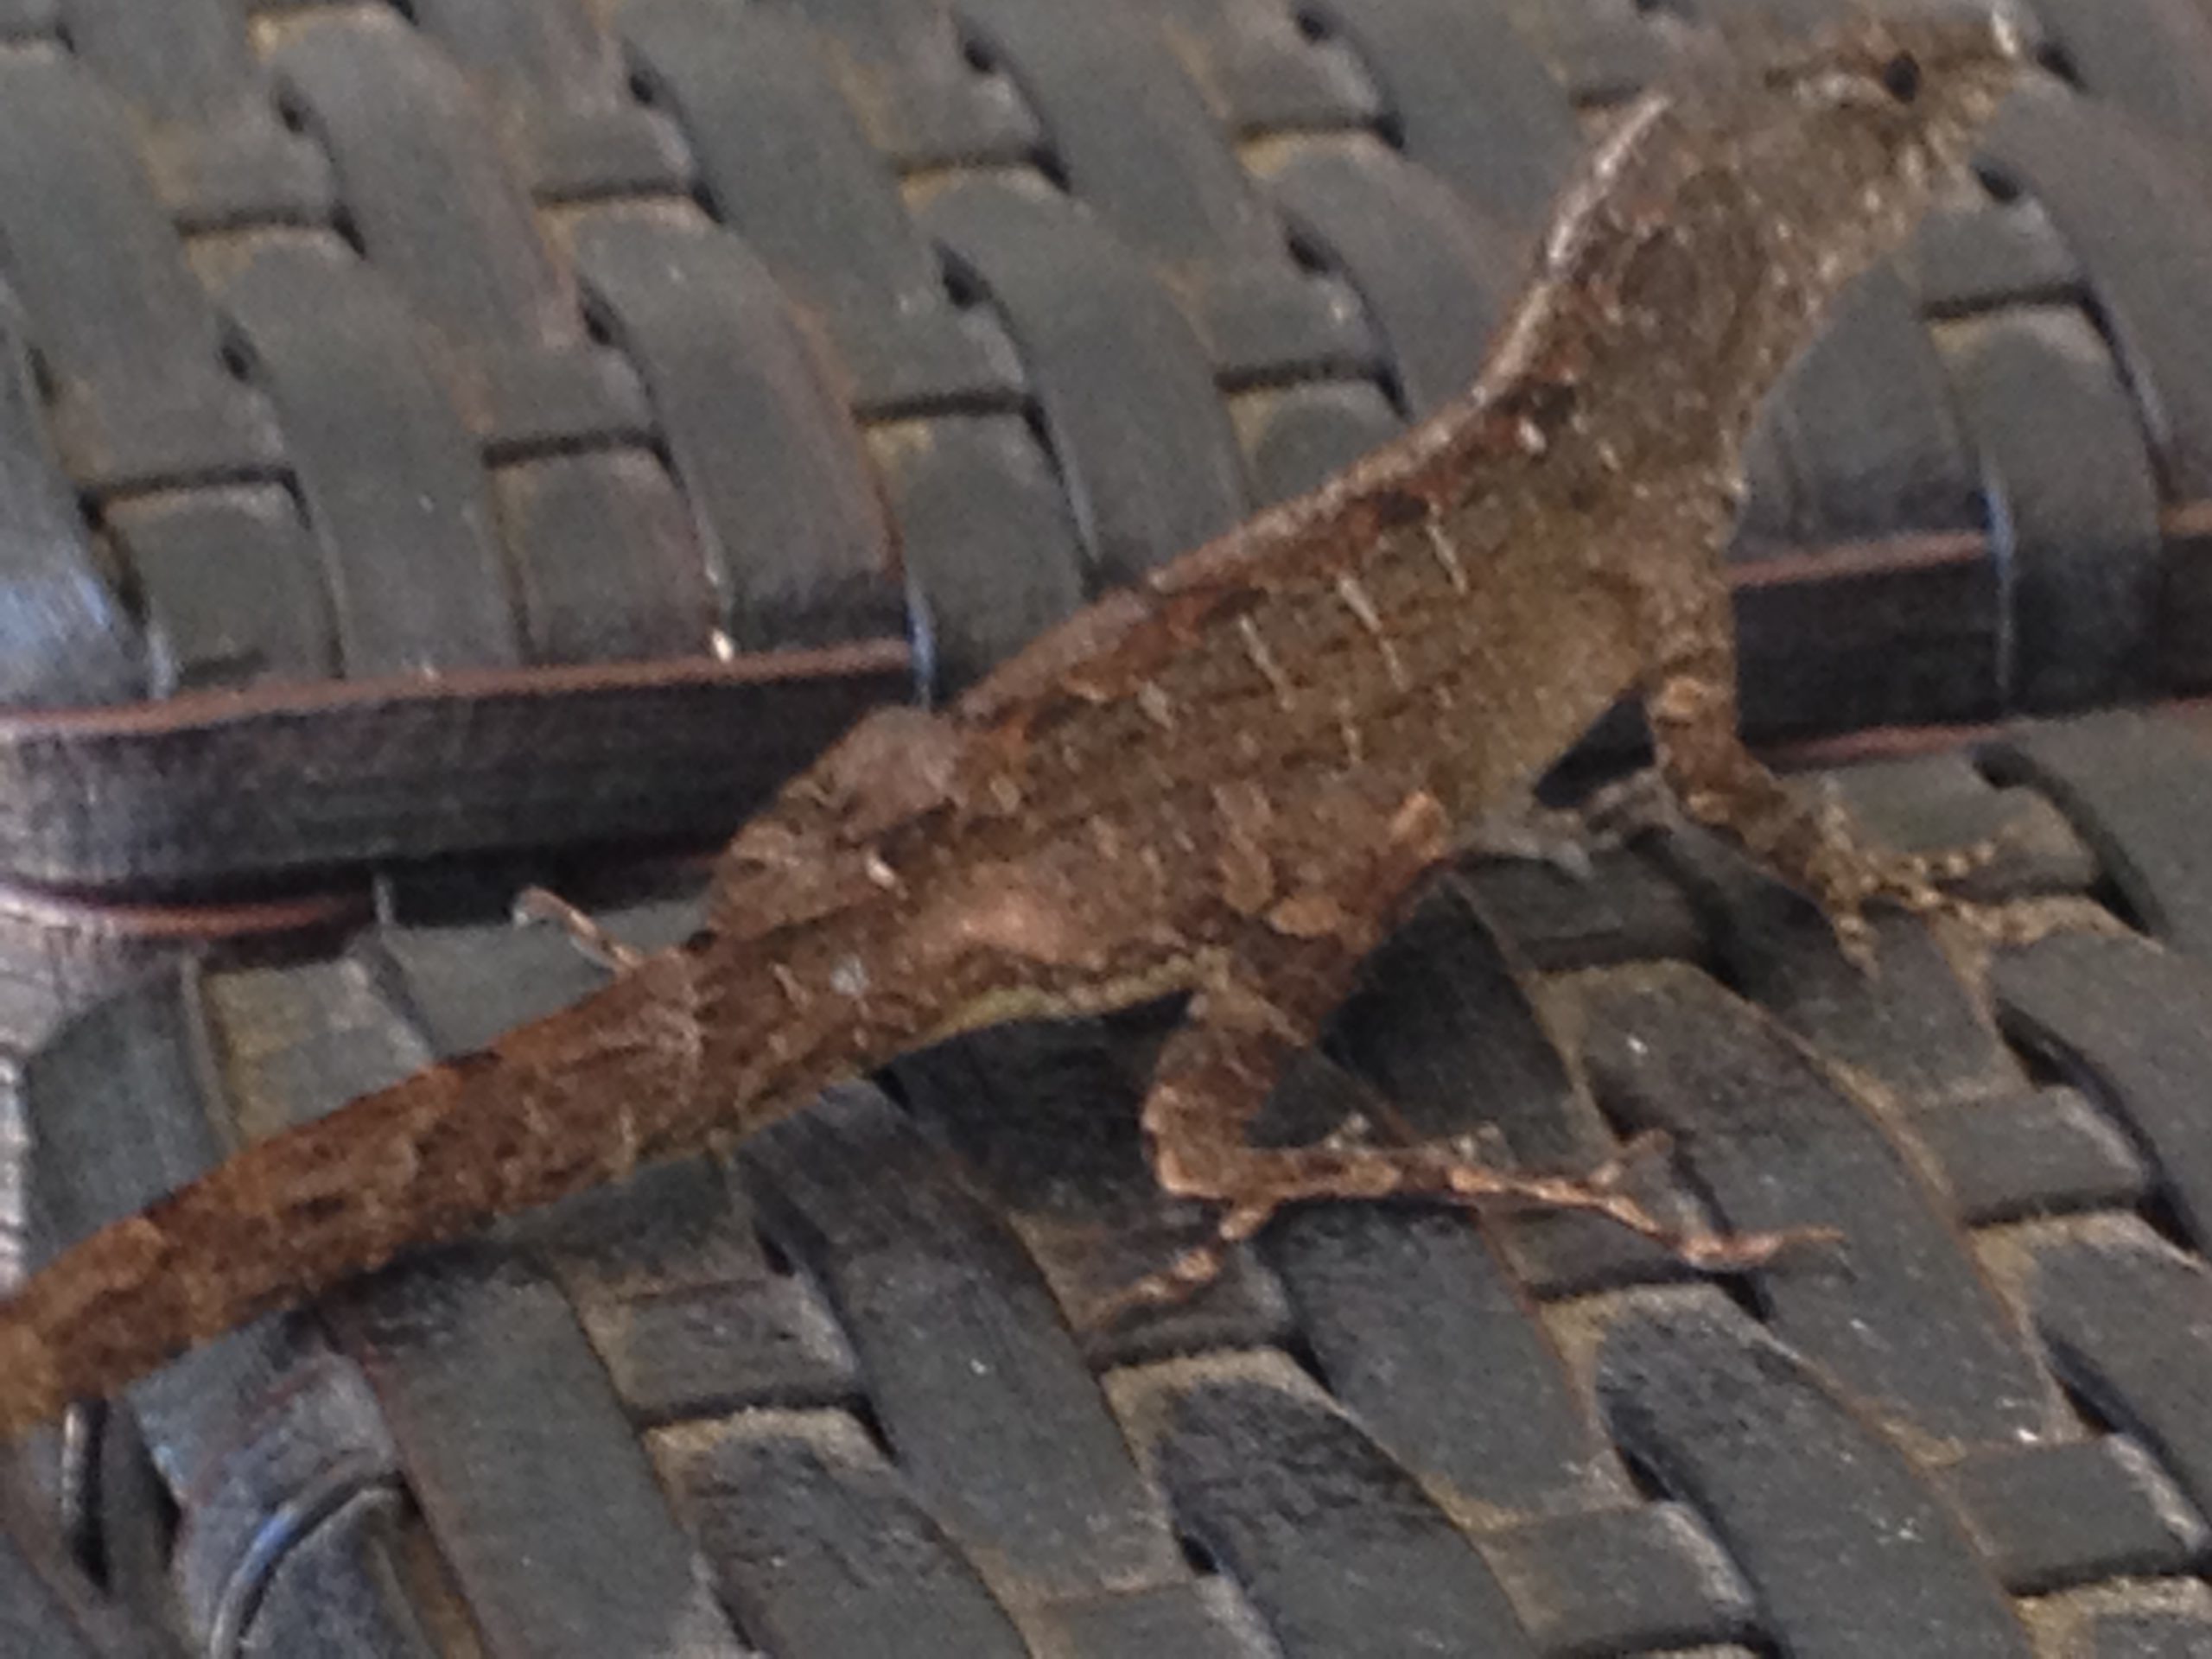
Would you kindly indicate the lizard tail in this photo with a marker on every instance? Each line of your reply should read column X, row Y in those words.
column 562, row 1104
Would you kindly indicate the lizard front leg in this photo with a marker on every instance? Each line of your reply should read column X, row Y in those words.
column 1690, row 700
column 1272, row 989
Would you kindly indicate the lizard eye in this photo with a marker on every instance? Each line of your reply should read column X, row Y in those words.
column 1901, row 78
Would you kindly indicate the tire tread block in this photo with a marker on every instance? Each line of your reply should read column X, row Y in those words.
column 217, row 153
column 1146, row 451
column 786, row 505
column 820, row 1547
column 2132, row 1024
column 1128, row 133
column 128, row 336
column 1847, row 1550
column 1335, row 1546
column 1776, row 1143
column 2136, row 788
column 961, row 1346
column 523, row 1464
column 2063, row 456
column 785, row 164
column 556, row 85
column 394, row 493
column 2129, row 1322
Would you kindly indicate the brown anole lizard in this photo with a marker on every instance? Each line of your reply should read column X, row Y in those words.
column 1222, row 781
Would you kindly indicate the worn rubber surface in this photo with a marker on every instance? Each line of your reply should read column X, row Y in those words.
column 533, row 342
column 823, row 1400
column 429, row 426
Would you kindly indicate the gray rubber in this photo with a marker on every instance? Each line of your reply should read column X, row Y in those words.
column 363, row 364
column 836, row 1374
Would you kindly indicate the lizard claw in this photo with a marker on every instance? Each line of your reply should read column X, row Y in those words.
column 1524, row 830
column 1854, row 939
column 1186, row 1275
column 1182, row 1279
column 1639, row 805
column 540, row 905
column 1736, row 1252
column 1846, row 875
column 1645, row 1147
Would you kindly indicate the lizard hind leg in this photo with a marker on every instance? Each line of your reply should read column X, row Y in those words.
column 1212, row 1078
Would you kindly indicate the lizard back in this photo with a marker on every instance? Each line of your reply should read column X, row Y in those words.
column 1446, row 617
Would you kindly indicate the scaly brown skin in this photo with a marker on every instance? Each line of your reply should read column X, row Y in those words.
column 1224, row 781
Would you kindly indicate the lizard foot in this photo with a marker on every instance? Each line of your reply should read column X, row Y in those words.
column 540, row 905
column 1216, row 1070
column 1266, row 1181
column 1526, row 831
column 1845, row 875
column 1813, row 846
column 1611, row 816
column 1816, row 847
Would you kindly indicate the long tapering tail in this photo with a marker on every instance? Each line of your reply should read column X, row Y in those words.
column 568, row 1102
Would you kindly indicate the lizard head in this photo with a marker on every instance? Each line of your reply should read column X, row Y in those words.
column 1844, row 144
column 1721, row 215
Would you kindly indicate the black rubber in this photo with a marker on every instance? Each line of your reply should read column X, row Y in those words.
column 596, row 356
column 838, row 1370
column 346, row 344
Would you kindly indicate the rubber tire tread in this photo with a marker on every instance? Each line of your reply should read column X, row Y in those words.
column 1386, row 1427
column 511, row 341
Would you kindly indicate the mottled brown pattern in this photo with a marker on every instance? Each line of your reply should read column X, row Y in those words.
column 1223, row 782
